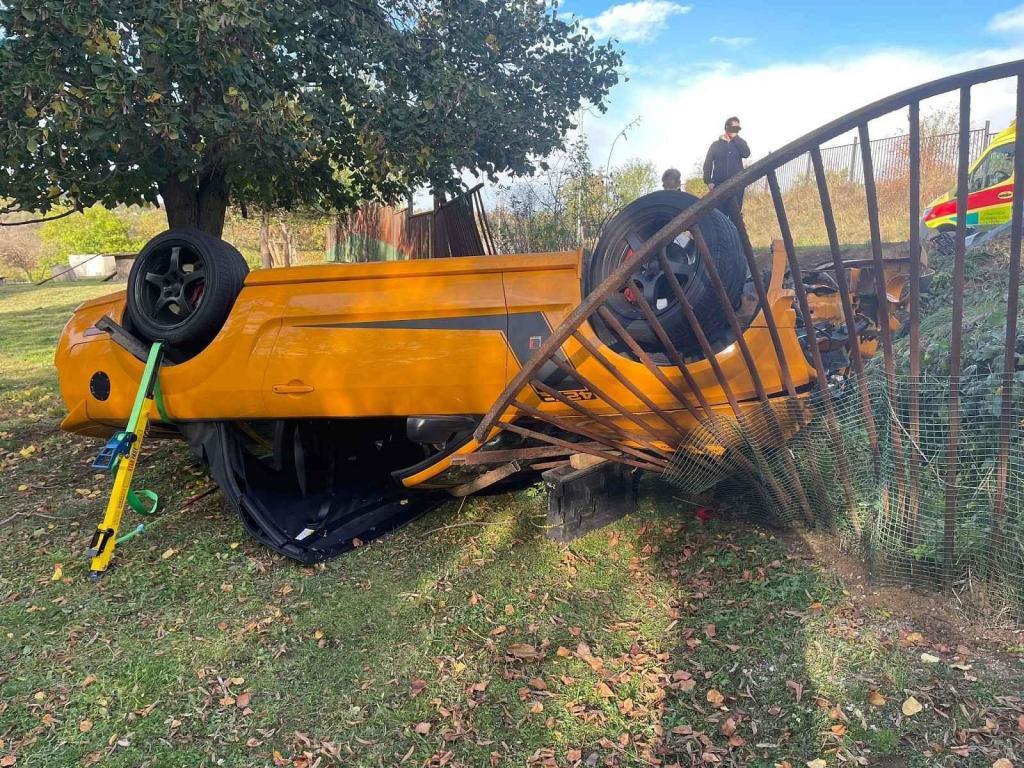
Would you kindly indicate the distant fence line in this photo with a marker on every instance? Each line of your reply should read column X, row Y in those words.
column 891, row 156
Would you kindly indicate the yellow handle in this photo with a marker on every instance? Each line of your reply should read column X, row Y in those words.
column 107, row 530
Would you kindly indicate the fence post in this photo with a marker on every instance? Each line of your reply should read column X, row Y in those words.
column 853, row 158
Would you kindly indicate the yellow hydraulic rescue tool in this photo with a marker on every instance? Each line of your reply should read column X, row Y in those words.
column 120, row 455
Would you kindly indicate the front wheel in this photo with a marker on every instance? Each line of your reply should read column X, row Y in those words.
column 626, row 232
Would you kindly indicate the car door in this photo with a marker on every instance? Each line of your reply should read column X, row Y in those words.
column 990, row 188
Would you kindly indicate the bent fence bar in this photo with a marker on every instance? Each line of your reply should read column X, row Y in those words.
column 915, row 453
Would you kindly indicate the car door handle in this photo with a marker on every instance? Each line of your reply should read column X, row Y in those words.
column 1008, row 195
column 292, row 388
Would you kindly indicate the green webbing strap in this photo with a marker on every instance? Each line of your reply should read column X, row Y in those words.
column 145, row 502
column 149, row 378
column 135, row 501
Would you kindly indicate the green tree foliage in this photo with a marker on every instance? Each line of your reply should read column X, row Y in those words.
column 280, row 103
column 95, row 230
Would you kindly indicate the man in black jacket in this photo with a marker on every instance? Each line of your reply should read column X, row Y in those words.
column 724, row 160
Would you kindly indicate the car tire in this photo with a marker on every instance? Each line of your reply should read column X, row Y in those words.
column 181, row 289
column 640, row 220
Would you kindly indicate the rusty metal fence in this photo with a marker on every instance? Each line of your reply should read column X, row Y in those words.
column 890, row 157
column 913, row 451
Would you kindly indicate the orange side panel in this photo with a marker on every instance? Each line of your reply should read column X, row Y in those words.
column 340, row 340
column 389, row 347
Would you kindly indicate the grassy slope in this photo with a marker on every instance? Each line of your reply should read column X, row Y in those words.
column 201, row 648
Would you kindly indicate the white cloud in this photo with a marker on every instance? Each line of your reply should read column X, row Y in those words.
column 732, row 42
column 682, row 109
column 634, row 22
column 1008, row 21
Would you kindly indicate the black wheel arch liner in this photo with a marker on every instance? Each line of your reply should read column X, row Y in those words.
column 282, row 530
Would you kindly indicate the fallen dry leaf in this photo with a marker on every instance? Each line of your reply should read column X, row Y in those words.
column 58, row 572
column 796, row 688
column 911, row 706
column 875, row 699
column 422, row 728
column 715, row 697
column 603, row 691
column 168, row 553
column 927, row 658
column 85, row 726
column 1002, row 762
column 8, row 760
column 243, row 700
column 818, row 763
column 524, row 652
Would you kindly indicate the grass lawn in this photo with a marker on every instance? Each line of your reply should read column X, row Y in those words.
column 466, row 639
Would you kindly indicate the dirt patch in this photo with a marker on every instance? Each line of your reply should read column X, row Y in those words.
column 940, row 618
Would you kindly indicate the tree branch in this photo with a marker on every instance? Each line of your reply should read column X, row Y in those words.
column 39, row 221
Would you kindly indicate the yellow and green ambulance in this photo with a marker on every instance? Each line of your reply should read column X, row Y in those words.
column 989, row 194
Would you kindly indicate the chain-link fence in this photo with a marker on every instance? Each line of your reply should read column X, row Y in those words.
column 896, row 509
column 891, row 157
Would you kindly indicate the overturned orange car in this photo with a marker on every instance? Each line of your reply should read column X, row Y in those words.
column 334, row 402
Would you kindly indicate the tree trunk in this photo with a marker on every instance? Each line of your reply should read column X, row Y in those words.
column 266, row 257
column 197, row 203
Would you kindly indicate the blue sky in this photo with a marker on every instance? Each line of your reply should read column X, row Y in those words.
column 784, row 67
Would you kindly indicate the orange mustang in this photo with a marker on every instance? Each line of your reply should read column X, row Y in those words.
column 332, row 402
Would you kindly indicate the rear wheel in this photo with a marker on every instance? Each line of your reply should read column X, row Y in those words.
column 181, row 289
column 624, row 235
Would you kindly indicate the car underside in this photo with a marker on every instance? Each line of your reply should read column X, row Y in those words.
column 334, row 402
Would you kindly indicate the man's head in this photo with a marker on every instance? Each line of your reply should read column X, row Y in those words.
column 671, row 179
column 732, row 126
